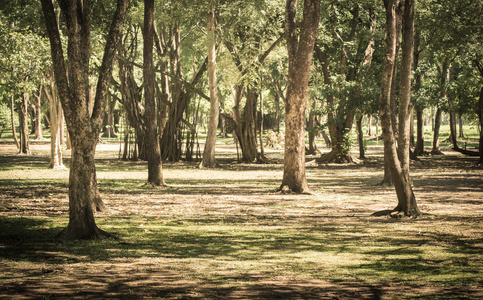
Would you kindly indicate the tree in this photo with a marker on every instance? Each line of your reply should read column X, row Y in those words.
column 73, row 89
column 155, row 175
column 300, row 50
column 397, row 154
column 209, row 151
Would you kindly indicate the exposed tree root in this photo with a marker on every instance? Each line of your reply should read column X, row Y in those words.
column 333, row 157
column 285, row 189
column 69, row 234
column 393, row 213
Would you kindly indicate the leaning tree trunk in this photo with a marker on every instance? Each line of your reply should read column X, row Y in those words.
column 300, row 49
column 208, row 160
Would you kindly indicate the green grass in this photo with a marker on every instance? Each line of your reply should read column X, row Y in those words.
column 225, row 233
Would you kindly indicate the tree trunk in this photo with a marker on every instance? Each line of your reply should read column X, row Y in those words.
column 360, row 137
column 311, row 130
column 23, row 121
column 300, row 50
column 452, row 125
column 419, row 149
column 109, row 129
column 83, row 127
column 398, row 159
column 155, row 175
column 437, row 126
column 56, row 122
column 460, row 123
column 480, row 117
column 12, row 118
column 37, row 122
column 209, row 151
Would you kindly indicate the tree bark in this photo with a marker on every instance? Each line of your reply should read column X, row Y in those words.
column 37, row 121
column 84, row 128
column 437, row 126
column 155, row 175
column 56, row 122
column 396, row 158
column 419, row 149
column 480, row 117
column 209, row 150
column 300, row 50
column 23, row 121
column 12, row 118
column 360, row 137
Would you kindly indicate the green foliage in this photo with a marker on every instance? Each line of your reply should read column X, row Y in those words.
column 22, row 55
column 4, row 117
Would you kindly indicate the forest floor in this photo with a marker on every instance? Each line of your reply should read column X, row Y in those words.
column 226, row 233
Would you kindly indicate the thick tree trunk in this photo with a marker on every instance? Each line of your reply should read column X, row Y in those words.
column 300, row 50
column 398, row 164
column 12, row 118
column 84, row 128
column 155, row 175
column 209, row 151
column 23, row 121
column 82, row 191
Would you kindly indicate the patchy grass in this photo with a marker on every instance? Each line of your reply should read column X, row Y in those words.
column 226, row 234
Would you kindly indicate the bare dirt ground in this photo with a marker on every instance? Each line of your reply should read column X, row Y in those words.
column 226, row 233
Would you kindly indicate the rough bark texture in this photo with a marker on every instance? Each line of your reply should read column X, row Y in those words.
column 300, row 51
column 209, row 151
column 155, row 175
column 405, row 195
column 84, row 128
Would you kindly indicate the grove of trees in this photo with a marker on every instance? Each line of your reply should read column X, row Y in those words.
column 156, row 74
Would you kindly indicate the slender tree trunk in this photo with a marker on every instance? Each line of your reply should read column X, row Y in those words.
column 155, row 175
column 360, row 137
column 300, row 50
column 419, row 149
column 398, row 159
column 460, row 123
column 480, row 117
column 23, row 121
column 37, row 123
column 311, row 129
column 209, row 151
column 452, row 125
column 12, row 118
column 437, row 126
